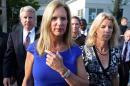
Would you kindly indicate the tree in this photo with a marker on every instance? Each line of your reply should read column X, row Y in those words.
column 13, row 7
column 117, row 11
column 0, row 3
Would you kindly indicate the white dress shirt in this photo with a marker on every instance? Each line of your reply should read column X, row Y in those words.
column 31, row 35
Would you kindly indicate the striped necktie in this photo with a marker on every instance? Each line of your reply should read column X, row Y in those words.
column 124, row 52
column 27, row 40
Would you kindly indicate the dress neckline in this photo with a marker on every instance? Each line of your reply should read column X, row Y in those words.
column 100, row 61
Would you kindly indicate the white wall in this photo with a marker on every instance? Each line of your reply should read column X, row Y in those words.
column 99, row 1
column 106, row 5
column 75, row 6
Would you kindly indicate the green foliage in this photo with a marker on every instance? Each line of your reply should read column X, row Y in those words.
column 117, row 9
column 13, row 7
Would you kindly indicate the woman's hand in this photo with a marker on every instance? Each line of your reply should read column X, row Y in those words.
column 55, row 61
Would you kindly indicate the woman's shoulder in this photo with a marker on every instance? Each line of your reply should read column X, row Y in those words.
column 116, row 51
column 32, row 47
column 88, row 52
column 75, row 47
column 87, row 48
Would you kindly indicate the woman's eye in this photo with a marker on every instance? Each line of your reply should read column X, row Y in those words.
column 25, row 17
column 110, row 27
column 103, row 26
column 54, row 18
column 63, row 18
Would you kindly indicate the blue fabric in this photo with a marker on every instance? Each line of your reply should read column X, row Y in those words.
column 44, row 75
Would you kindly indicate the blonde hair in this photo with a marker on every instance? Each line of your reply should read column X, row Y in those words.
column 28, row 9
column 91, row 38
column 44, row 41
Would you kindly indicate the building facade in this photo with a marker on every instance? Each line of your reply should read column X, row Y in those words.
column 88, row 9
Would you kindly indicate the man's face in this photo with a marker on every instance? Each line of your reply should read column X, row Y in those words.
column 127, row 36
column 28, row 20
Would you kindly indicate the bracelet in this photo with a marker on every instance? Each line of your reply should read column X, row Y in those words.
column 67, row 74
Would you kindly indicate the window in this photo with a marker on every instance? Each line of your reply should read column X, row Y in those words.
column 80, row 13
column 93, row 12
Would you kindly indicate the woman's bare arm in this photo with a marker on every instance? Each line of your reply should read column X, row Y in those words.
column 28, row 69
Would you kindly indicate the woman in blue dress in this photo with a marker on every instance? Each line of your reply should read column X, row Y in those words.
column 54, row 60
column 101, row 54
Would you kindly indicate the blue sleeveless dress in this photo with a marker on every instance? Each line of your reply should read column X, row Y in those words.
column 44, row 75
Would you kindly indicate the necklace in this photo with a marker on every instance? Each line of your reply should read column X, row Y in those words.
column 103, row 54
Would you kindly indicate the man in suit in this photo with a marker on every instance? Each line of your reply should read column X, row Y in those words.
column 124, row 67
column 123, row 28
column 76, row 35
column 3, row 41
column 15, row 54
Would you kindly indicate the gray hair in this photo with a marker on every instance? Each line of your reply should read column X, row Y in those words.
column 28, row 9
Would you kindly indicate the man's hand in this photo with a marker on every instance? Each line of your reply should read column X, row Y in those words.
column 8, row 81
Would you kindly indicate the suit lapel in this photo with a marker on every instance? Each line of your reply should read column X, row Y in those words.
column 20, row 40
column 128, row 50
column 37, row 34
column 123, row 49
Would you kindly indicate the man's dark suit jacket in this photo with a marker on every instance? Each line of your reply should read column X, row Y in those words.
column 3, row 42
column 15, row 55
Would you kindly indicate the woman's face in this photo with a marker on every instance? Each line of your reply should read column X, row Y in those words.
column 59, row 22
column 105, row 30
column 75, row 27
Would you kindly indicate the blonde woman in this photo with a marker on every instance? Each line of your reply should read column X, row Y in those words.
column 101, row 54
column 54, row 60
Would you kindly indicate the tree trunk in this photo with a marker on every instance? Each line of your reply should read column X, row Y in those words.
column 116, row 10
column 4, row 16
